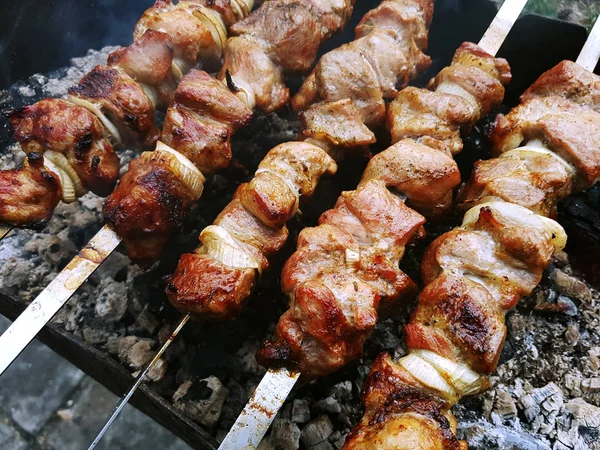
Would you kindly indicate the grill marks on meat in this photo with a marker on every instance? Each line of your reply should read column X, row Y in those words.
column 29, row 194
column 477, row 272
column 281, row 37
column 145, row 209
column 123, row 101
column 387, row 53
column 401, row 414
column 426, row 127
column 262, row 206
column 58, row 125
column 344, row 273
column 114, row 104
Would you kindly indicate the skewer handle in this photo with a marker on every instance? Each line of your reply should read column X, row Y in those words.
column 123, row 401
column 590, row 53
column 55, row 295
column 496, row 33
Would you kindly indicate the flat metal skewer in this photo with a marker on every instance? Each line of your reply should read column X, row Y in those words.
column 138, row 382
column 23, row 330
column 4, row 230
column 258, row 414
column 590, row 53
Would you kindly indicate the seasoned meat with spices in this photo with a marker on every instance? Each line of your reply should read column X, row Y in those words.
column 58, row 125
column 28, row 194
column 343, row 274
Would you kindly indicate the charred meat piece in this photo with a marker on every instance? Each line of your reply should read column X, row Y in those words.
column 123, row 101
column 148, row 204
column 58, row 125
column 401, row 414
column 343, row 274
column 29, row 194
column 198, row 126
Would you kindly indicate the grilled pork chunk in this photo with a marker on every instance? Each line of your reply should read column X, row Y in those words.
column 474, row 274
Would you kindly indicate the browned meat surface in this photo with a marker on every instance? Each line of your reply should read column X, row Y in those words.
column 387, row 53
column 425, row 175
column 202, row 119
column 282, row 36
column 250, row 229
column 434, row 120
column 148, row 60
column 29, row 194
column 568, row 80
column 336, row 125
column 547, row 146
column 343, row 274
column 534, row 180
column 123, row 101
column 199, row 126
column 191, row 36
column 401, row 415
column 61, row 126
column 293, row 170
column 148, row 204
column 569, row 129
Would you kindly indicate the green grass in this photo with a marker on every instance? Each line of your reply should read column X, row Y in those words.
column 543, row 7
column 590, row 12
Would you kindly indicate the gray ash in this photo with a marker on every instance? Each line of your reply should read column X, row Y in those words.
column 545, row 394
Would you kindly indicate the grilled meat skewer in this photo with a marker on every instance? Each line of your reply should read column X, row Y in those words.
column 547, row 147
column 112, row 107
column 214, row 282
column 282, row 36
column 345, row 272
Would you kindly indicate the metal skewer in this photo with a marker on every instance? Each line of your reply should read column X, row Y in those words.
column 258, row 414
column 590, row 53
column 123, row 401
column 22, row 331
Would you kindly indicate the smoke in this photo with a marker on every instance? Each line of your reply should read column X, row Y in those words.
column 39, row 37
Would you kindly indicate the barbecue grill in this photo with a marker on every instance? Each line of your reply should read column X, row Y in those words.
column 534, row 45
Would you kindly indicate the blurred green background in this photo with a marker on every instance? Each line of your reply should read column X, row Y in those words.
column 580, row 11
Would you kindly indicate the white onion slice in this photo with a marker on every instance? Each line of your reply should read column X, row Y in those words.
column 464, row 380
column 244, row 92
column 151, row 93
column 66, row 184
column 455, row 89
column 522, row 216
column 537, row 146
column 183, row 168
column 214, row 22
column 425, row 373
column 95, row 110
column 218, row 243
column 242, row 7
column 62, row 162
